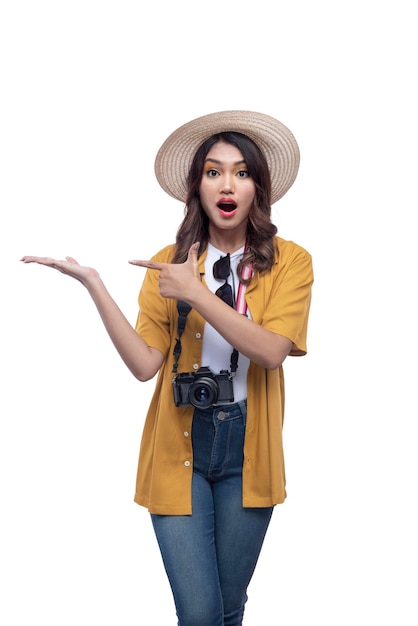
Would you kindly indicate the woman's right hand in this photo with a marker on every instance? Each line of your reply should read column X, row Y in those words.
column 67, row 266
column 143, row 361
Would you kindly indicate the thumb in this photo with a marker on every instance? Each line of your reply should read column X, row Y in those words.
column 193, row 252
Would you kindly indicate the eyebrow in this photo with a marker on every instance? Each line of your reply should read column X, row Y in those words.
column 210, row 160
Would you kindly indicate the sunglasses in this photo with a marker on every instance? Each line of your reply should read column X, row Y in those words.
column 221, row 271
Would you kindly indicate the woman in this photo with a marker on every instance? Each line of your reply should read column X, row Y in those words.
column 219, row 312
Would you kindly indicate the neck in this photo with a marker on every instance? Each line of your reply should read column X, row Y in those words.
column 227, row 242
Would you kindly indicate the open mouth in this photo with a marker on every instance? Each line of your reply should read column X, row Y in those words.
column 226, row 207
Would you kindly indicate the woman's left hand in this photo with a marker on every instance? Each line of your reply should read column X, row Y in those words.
column 176, row 280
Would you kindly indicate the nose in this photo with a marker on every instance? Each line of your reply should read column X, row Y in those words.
column 227, row 184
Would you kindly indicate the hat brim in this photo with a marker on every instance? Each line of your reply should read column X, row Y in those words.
column 174, row 158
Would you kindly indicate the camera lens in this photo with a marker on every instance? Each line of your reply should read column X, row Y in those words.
column 203, row 393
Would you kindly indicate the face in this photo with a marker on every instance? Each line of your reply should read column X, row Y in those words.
column 227, row 190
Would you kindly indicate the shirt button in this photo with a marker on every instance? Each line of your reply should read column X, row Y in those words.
column 198, row 335
column 186, row 434
column 187, row 463
column 196, row 366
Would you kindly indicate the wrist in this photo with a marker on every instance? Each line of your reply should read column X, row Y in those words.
column 92, row 282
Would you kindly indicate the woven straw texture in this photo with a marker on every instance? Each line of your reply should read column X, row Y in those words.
column 174, row 158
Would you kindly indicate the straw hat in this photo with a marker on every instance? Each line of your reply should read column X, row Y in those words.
column 174, row 158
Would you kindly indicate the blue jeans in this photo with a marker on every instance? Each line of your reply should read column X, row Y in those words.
column 210, row 555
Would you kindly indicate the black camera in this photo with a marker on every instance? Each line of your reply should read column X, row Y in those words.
column 203, row 388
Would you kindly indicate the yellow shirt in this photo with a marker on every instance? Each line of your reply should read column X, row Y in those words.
column 279, row 301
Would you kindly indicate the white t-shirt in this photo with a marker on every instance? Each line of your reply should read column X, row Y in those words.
column 216, row 352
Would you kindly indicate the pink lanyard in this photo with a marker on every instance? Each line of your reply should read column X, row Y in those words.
column 247, row 270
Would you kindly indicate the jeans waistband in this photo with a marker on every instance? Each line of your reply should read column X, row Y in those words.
column 224, row 412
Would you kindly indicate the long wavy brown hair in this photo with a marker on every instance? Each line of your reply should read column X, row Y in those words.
column 260, row 229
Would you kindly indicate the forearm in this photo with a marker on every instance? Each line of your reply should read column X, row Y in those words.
column 258, row 344
column 142, row 361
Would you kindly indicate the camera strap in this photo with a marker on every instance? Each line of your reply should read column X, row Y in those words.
column 184, row 309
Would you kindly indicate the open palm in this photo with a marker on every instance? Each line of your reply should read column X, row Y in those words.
column 68, row 266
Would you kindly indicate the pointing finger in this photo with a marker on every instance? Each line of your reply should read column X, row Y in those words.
column 152, row 265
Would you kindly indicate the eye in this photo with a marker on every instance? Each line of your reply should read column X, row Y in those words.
column 243, row 174
column 212, row 172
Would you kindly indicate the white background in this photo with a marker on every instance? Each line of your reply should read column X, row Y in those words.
column 89, row 91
